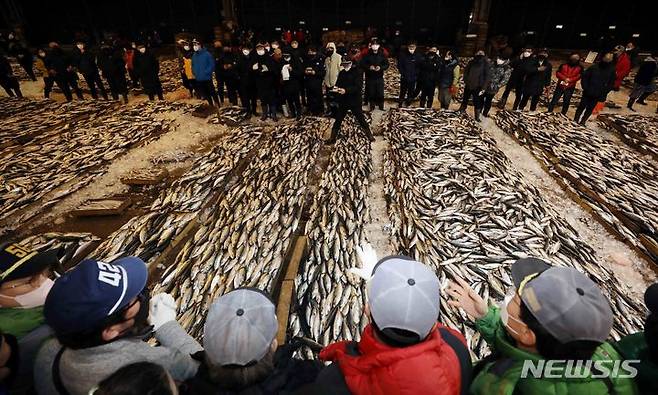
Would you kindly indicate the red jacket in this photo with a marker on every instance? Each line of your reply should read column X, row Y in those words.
column 430, row 367
column 567, row 71
column 622, row 69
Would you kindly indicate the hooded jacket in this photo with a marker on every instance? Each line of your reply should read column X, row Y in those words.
column 203, row 65
column 500, row 75
column 332, row 66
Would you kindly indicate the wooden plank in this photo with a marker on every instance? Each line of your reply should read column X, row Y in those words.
column 145, row 177
column 100, row 207
column 288, row 287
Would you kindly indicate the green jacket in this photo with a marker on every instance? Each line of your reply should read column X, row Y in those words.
column 502, row 376
column 635, row 347
column 19, row 322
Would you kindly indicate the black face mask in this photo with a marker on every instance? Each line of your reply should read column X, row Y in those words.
column 13, row 362
column 542, row 57
column 330, row 52
column 311, row 55
column 141, row 327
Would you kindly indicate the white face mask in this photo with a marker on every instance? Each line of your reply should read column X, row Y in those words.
column 197, row 47
column 526, row 54
column 412, row 50
column 11, row 36
column 142, row 50
column 34, row 298
column 629, row 48
column 260, row 52
column 186, row 47
column 499, row 61
column 267, row 48
column 375, row 47
column 245, row 52
column 80, row 46
column 505, row 317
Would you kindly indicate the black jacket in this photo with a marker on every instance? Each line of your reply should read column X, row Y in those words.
column 447, row 74
column 265, row 76
column 430, row 69
column 246, row 74
column 316, row 64
column 352, row 81
column 147, row 67
column 6, row 72
column 518, row 71
column 294, row 82
column 227, row 66
column 111, row 63
column 535, row 81
column 647, row 71
column 477, row 74
column 598, row 80
column 409, row 65
column 58, row 60
column 374, row 59
column 85, row 62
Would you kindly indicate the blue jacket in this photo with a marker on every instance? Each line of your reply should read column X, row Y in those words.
column 203, row 65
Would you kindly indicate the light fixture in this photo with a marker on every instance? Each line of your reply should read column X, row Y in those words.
column 325, row 29
column 348, row 22
column 612, row 27
column 559, row 26
column 636, row 35
column 583, row 34
column 302, row 22
column 278, row 29
column 471, row 35
column 530, row 33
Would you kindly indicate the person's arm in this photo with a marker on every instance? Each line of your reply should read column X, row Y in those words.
column 489, row 325
column 455, row 76
column 506, row 76
column 547, row 74
column 385, row 64
column 487, row 76
column 175, row 351
column 584, row 82
column 579, row 75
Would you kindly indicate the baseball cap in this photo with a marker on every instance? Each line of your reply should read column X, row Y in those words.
column 651, row 298
column 404, row 294
column 17, row 261
column 84, row 296
column 240, row 327
column 567, row 303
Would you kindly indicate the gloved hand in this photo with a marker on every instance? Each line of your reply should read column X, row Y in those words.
column 367, row 258
column 255, row 66
column 162, row 309
column 265, row 68
column 480, row 93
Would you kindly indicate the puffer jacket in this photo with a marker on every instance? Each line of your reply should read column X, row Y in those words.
column 622, row 69
column 203, row 65
column 635, row 347
column 500, row 75
column 569, row 72
column 598, row 80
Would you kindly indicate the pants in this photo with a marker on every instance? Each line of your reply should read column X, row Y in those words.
column 534, row 100
column 291, row 97
column 231, row 90
column 92, row 81
column 302, row 91
column 207, row 90
column 48, row 86
column 640, row 90
column 356, row 110
column 156, row 89
column 508, row 89
column 445, row 97
column 566, row 101
column 134, row 79
column 477, row 100
column 268, row 109
column 28, row 67
column 11, row 86
column 585, row 109
column 118, row 86
column 188, row 84
column 220, row 86
column 427, row 94
column 487, row 100
column 248, row 98
column 375, row 92
column 65, row 83
column 407, row 91
column 313, row 89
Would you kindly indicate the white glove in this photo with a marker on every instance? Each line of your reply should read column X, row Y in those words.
column 481, row 93
column 265, row 68
column 367, row 258
column 255, row 66
column 162, row 310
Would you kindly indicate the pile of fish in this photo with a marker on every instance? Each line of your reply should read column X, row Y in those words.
column 12, row 106
column 231, row 116
column 620, row 185
column 149, row 234
column 637, row 130
column 153, row 107
column 243, row 238
column 391, row 80
column 329, row 300
column 457, row 205
column 74, row 245
column 170, row 76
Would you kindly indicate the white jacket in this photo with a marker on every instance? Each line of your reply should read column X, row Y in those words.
column 332, row 66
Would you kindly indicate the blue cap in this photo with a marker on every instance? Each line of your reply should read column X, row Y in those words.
column 83, row 297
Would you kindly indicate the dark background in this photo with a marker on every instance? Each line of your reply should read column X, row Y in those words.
column 437, row 21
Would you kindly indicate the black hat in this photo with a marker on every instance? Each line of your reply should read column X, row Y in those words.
column 16, row 261
column 525, row 267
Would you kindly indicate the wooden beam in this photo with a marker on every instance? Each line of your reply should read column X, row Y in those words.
column 288, row 287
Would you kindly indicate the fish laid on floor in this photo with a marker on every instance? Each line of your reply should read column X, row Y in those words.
column 639, row 131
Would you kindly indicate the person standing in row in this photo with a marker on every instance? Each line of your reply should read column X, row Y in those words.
column 644, row 85
column 622, row 65
column 25, row 59
column 477, row 76
column 40, row 64
column 537, row 71
column 515, row 82
column 408, row 64
column 568, row 74
column 128, row 58
column 290, row 72
column 185, row 64
column 313, row 75
column 374, row 64
column 598, row 80
column 228, row 64
column 247, row 80
column 428, row 76
column 147, row 68
column 85, row 62
column 448, row 79
column 263, row 66
column 60, row 69
column 500, row 75
column 332, row 66
column 7, row 80
column 113, row 68
column 218, row 54
column 203, row 66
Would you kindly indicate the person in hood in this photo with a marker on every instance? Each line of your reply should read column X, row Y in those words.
column 568, row 74
column 332, row 66
column 501, row 72
column 113, row 67
column 448, row 79
column 203, row 67
column 404, row 350
column 147, row 67
column 291, row 69
column 622, row 65
column 241, row 354
column 229, row 72
column 644, row 82
column 537, row 77
column 266, row 82
column 101, row 314
column 515, row 82
column 597, row 81
column 85, row 62
column 428, row 76
column 550, row 313
column 375, row 64
column 477, row 76
column 247, row 79
column 314, row 72
column 409, row 65
column 7, row 79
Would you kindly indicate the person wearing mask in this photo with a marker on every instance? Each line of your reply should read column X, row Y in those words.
column 374, row 64
column 101, row 313
column 633, row 54
column 266, row 79
column 500, row 75
column 137, row 379
column 85, row 62
column 219, row 50
column 643, row 346
column 403, row 350
column 203, row 66
column 113, row 67
column 537, row 71
column 448, row 79
column 428, row 76
column 568, row 74
column 279, row 100
column 622, row 66
column 408, row 64
column 332, row 63
column 477, row 76
column 644, row 82
column 515, row 82
column 551, row 313
column 128, row 59
column 60, row 67
column 185, row 62
column 348, row 92
column 290, row 71
column 228, row 64
column 147, row 67
column 7, row 80
column 241, row 354
column 597, row 81
column 25, row 59
column 247, row 77
column 314, row 72
column 296, row 53
column 40, row 64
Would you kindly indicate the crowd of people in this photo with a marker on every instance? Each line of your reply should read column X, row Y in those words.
column 86, row 331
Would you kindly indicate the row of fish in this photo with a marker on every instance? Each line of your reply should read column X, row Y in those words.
column 230, row 115
column 620, row 185
column 640, row 131
column 457, row 205
column 11, row 106
column 72, row 245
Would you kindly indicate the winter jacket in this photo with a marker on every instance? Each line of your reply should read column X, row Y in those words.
column 374, row 59
column 477, row 74
column 187, row 66
column 502, row 375
column 500, row 74
column 332, row 67
column 622, row 69
column 292, row 84
column 430, row 70
column 535, row 80
column 40, row 65
column 569, row 72
column 228, row 66
column 635, row 347
column 58, row 61
column 203, row 65
column 409, row 65
column 266, row 77
column 647, row 71
column 147, row 68
column 246, row 74
column 111, row 63
column 316, row 64
column 371, row 367
column 449, row 75
column 85, row 62
column 518, row 71
column 352, row 81
column 598, row 80
column 6, row 71
column 128, row 58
